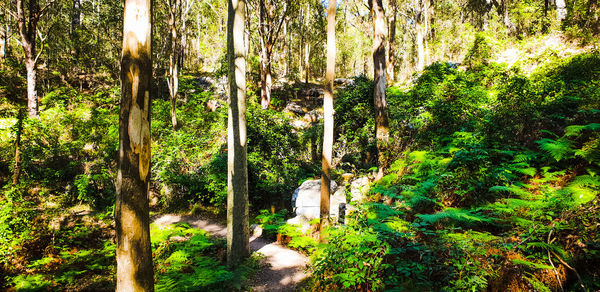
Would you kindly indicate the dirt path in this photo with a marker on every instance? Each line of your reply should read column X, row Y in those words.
column 282, row 269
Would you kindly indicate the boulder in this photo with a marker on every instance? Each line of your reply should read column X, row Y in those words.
column 306, row 200
column 359, row 187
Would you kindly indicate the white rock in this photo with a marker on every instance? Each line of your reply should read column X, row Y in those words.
column 307, row 201
column 358, row 188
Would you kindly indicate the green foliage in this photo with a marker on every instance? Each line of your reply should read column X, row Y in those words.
column 481, row 52
column 185, row 260
column 271, row 222
column 353, row 260
column 513, row 157
column 355, row 122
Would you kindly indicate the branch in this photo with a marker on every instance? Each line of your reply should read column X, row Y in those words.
column 42, row 39
column 43, row 10
column 6, row 10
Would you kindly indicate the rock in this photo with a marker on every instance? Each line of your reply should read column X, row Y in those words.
column 205, row 82
column 300, row 124
column 295, row 108
column 313, row 116
column 359, row 187
column 307, row 200
column 256, row 230
column 213, row 105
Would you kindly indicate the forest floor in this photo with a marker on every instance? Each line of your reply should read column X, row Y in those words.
column 281, row 268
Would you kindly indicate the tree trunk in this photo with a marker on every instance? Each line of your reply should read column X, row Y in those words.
column 32, row 101
column 28, row 38
column 17, row 168
column 238, row 247
column 134, row 252
column 419, row 37
column 265, row 77
column 391, row 43
column 76, row 17
column 561, row 10
column 3, row 42
column 286, row 49
column 173, row 74
column 506, row 19
column 381, row 111
column 328, row 119
column 306, row 61
column 306, row 45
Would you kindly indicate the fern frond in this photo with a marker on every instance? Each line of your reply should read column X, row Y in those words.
column 575, row 130
column 459, row 216
column 558, row 149
column 583, row 188
column 511, row 189
column 531, row 265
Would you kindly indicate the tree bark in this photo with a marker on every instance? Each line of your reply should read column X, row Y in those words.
column 173, row 73
column 306, row 46
column 561, row 10
column 391, row 43
column 379, row 66
column 506, row 19
column 328, row 119
column 134, row 252
column 265, row 76
column 269, row 27
column 419, row 36
column 3, row 41
column 238, row 247
column 17, row 168
column 32, row 100
column 306, row 61
column 28, row 37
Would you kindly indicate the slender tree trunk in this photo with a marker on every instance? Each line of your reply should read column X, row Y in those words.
column 381, row 111
column 391, row 43
column 3, row 42
column 134, row 252
column 328, row 119
column 28, row 38
column 306, row 46
column 76, row 17
column 306, row 61
column 17, row 168
column 238, row 247
column 286, row 49
column 265, row 76
column 32, row 101
column 561, row 10
column 419, row 36
column 173, row 74
column 506, row 19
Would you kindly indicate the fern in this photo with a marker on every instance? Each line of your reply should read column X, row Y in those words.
column 458, row 216
column 583, row 188
column 537, row 284
column 576, row 130
column 513, row 189
column 531, row 265
column 559, row 149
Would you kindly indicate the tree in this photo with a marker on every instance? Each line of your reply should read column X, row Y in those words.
column 134, row 253
column 27, row 22
column 328, row 117
column 391, row 48
column 419, row 36
column 178, row 11
column 379, row 67
column 271, row 16
column 238, row 247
